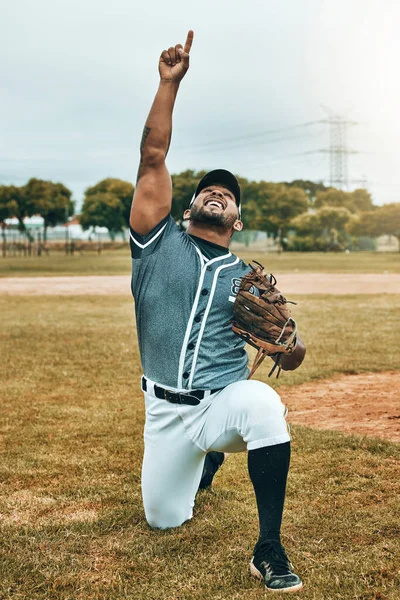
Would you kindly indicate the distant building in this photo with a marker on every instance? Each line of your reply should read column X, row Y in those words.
column 387, row 243
column 35, row 225
column 32, row 223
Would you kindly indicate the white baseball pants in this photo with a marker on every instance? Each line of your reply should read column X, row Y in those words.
column 243, row 416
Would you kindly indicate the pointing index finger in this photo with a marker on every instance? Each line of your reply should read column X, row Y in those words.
column 189, row 41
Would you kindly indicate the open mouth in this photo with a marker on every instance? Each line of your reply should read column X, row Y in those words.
column 216, row 203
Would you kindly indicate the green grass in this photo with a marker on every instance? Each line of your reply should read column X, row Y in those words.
column 321, row 262
column 347, row 334
column 71, row 519
column 118, row 262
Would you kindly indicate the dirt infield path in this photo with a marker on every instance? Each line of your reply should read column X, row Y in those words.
column 306, row 283
column 367, row 404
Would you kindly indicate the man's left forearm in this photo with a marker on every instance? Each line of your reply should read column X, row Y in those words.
column 290, row 362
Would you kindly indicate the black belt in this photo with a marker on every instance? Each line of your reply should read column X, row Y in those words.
column 193, row 398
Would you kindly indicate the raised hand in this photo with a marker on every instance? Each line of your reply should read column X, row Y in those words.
column 174, row 62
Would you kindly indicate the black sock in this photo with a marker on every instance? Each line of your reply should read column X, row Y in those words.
column 268, row 469
column 212, row 463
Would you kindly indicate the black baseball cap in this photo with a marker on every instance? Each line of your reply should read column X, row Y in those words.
column 219, row 176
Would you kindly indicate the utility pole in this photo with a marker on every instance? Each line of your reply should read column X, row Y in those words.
column 338, row 150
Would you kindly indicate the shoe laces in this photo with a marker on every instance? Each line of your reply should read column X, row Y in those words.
column 272, row 556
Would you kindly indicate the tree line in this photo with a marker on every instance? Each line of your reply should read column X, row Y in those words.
column 301, row 215
column 52, row 201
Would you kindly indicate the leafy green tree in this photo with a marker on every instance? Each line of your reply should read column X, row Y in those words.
column 52, row 201
column 103, row 210
column 108, row 204
column 8, row 208
column 8, row 205
column 331, row 197
column 123, row 190
column 288, row 203
column 270, row 207
column 244, row 187
column 310, row 187
column 361, row 200
column 324, row 229
column 22, row 203
column 183, row 187
column 356, row 201
column 333, row 217
column 384, row 220
column 306, row 224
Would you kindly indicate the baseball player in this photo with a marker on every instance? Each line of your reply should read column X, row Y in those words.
column 198, row 400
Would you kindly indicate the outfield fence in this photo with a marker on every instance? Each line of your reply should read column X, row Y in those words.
column 19, row 246
column 38, row 243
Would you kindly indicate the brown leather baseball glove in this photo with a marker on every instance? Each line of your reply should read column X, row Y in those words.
column 261, row 317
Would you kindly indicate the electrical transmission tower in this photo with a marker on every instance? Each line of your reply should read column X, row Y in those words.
column 338, row 150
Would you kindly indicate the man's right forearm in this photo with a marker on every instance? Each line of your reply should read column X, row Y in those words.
column 157, row 131
column 172, row 67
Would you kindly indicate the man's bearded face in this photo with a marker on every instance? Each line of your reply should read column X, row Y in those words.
column 215, row 206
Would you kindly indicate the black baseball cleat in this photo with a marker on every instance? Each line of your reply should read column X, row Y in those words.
column 271, row 564
column 212, row 463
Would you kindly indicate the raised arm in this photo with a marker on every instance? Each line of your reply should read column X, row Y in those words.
column 153, row 194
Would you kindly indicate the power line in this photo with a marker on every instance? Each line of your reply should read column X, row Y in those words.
column 275, row 158
column 385, row 184
column 250, row 136
column 258, row 143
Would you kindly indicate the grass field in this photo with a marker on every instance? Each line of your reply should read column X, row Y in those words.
column 71, row 518
column 118, row 263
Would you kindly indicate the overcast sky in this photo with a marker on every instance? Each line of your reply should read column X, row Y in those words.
column 78, row 78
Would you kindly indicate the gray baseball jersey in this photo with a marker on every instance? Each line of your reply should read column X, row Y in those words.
column 183, row 304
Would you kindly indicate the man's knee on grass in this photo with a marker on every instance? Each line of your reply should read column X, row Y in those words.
column 159, row 519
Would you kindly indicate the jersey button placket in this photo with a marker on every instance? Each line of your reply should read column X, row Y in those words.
column 201, row 307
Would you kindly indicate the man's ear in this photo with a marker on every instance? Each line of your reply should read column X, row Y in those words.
column 186, row 214
column 238, row 225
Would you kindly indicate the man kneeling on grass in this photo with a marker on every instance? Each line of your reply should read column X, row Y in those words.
column 199, row 403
